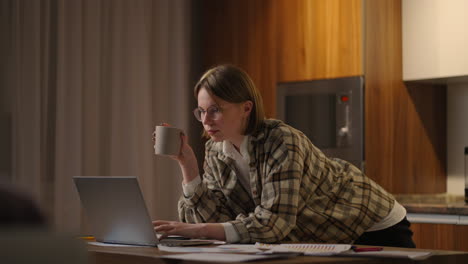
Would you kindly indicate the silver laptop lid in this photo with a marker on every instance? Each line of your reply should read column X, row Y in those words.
column 116, row 210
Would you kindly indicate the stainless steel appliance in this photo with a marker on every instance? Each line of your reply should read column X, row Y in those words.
column 330, row 112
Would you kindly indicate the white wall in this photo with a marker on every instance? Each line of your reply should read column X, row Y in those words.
column 435, row 38
column 457, row 136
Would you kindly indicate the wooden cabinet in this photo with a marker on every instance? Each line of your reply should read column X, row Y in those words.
column 441, row 236
column 283, row 40
column 319, row 39
column 405, row 124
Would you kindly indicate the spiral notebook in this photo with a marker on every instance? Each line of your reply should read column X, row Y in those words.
column 306, row 249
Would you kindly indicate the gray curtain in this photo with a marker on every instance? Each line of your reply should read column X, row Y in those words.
column 84, row 82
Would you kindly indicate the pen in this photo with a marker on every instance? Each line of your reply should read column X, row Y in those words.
column 87, row 237
column 367, row 249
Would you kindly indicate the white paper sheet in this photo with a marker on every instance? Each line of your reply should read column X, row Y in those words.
column 216, row 257
column 246, row 248
column 112, row 245
column 391, row 254
column 219, row 249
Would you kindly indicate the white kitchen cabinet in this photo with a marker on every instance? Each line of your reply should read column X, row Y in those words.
column 435, row 39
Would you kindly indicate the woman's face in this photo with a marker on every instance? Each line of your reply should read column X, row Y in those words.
column 228, row 123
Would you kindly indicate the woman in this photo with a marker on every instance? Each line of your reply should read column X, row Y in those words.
column 264, row 181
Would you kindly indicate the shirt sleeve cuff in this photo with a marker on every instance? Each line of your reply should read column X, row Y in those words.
column 231, row 234
column 189, row 188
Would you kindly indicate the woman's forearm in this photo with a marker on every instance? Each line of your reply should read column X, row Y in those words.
column 187, row 161
column 213, row 231
column 189, row 171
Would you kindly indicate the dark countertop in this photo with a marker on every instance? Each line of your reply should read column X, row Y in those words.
column 441, row 203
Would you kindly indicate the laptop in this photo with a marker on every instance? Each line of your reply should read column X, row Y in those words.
column 117, row 213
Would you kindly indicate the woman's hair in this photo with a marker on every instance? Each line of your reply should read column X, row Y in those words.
column 233, row 85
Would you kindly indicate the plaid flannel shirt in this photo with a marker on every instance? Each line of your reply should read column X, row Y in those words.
column 297, row 193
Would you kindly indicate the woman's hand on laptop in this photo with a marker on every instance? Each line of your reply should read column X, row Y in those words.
column 202, row 230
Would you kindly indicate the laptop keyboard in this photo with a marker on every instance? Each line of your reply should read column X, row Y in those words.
column 181, row 243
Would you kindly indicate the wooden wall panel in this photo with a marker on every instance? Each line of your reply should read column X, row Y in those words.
column 319, row 39
column 440, row 236
column 284, row 40
column 243, row 33
column 405, row 126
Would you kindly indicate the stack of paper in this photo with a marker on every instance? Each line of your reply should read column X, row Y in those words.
column 219, row 249
column 223, row 257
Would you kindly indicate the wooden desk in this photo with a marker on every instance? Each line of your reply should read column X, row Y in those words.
column 146, row 255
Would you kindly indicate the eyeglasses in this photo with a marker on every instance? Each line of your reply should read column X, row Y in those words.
column 213, row 113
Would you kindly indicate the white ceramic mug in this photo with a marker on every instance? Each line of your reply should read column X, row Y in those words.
column 167, row 141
